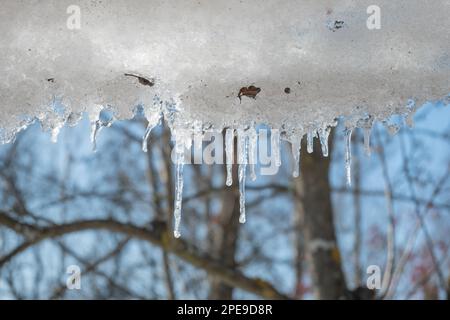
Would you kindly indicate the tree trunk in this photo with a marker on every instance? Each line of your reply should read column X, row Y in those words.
column 319, row 232
column 226, row 236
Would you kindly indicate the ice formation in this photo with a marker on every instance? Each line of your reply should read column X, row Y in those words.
column 229, row 151
column 295, row 66
column 183, row 142
column 103, row 118
column 154, row 118
column 324, row 134
column 243, row 161
column 296, row 149
column 348, row 155
column 310, row 141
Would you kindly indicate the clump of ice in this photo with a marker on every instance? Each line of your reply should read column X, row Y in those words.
column 296, row 66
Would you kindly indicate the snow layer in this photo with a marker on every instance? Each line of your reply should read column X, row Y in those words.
column 312, row 60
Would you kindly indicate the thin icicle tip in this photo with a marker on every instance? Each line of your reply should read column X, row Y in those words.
column 310, row 141
column 348, row 156
column 178, row 199
column 182, row 142
column 324, row 134
column 243, row 160
column 229, row 148
column 154, row 119
column 145, row 138
column 104, row 118
column 296, row 150
column 95, row 128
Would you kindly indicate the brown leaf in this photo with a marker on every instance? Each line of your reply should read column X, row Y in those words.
column 250, row 92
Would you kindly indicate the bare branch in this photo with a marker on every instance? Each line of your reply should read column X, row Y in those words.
column 180, row 248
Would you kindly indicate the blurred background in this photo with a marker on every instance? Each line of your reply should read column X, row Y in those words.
column 313, row 237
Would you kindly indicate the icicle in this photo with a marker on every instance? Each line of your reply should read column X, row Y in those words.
column 105, row 118
column 179, row 150
column 310, row 141
column 324, row 134
column 275, row 145
column 409, row 117
column 366, row 124
column 153, row 119
column 198, row 142
column 296, row 149
column 367, row 131
column 348, row 155
column 55, row 132
column 242, row 173
column 229, row 147
column 95, row 128
column 252, row 149
column 145, row 138
column 178, row 198
column 242, row 156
